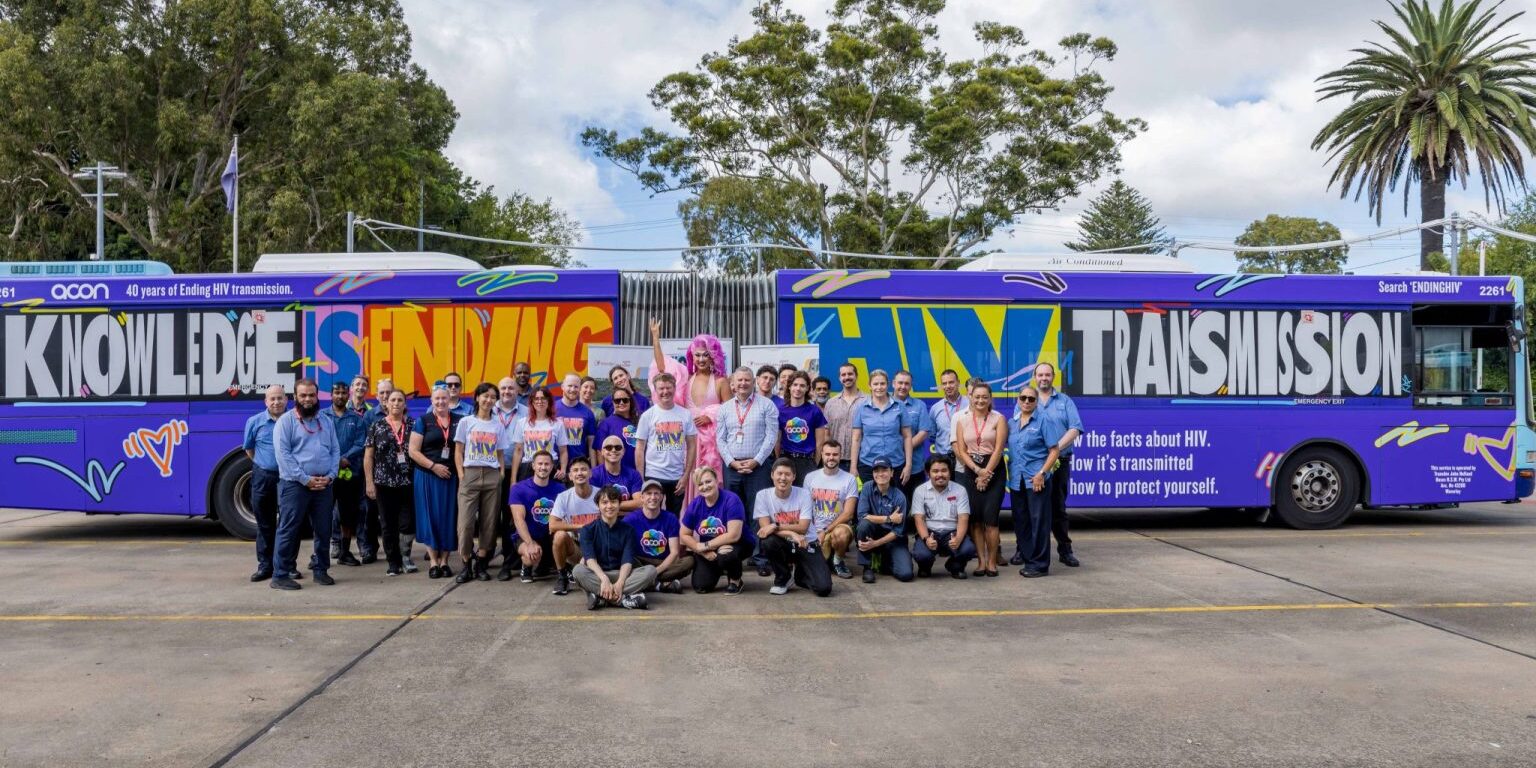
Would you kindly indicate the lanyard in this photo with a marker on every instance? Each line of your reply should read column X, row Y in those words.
column 981, row 426
column 318, row 426
column 442, row 424
column 399, row 435
column 506, row 421
column 741, row 417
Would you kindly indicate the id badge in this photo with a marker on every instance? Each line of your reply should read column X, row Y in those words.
column 400, row 458
column 444, row 454
column 741, row 437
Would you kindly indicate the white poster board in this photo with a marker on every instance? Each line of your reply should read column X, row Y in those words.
column 804, row 357
column 601, row 358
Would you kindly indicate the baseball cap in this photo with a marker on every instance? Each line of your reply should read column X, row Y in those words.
column 881, row 464
column 649, row 484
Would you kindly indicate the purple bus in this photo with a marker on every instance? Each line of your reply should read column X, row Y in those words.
column 129, row 394
column 1306, row 394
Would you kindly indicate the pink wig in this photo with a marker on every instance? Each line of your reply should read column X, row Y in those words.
column 716, row 353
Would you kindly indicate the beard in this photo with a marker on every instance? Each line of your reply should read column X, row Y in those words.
column 307, row 411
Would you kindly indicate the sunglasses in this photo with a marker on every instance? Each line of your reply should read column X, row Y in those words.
column 613, row 447
column 453, row 384
column 621, row 401
column 1026, row 398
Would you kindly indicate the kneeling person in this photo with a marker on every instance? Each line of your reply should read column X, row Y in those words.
column 882, row 515
column 532, row 500
column 608, row 572
column 783, row 515
column 942, row 513
column 656, row 535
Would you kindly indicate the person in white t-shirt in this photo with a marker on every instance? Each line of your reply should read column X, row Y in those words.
column 574, row 507
column 942, row 512
column 538, row 430
column 481, row 443
column 787, row 535
column 835, row 494
column 666, row 442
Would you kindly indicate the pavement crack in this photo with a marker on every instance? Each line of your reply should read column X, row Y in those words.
column 332, row 678
column 1335, row 595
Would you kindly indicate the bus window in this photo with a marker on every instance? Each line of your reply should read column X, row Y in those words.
column 1463, row 357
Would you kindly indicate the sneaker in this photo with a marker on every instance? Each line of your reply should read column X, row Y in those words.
column 393, row 570
column 635, row 602
column 563, row 583
column 347, row 558
column 321, row 577
column 779, row 589
column 841, row 569
column 593, row 602
column 869, row 575
column 283, row 582
column 733, row 588
column 674, row 587
column 410, row 566
column 525, row 575
column 505, row 574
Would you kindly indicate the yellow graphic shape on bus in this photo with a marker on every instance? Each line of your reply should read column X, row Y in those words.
column 1481, row 445
column 999, row 343
column 1410, row 433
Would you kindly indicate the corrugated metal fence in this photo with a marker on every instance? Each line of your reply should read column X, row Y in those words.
column 739, row 308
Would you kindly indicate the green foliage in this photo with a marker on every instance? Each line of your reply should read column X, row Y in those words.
column 1118, row 219
column 1291, row 230
column 864, row 137
column 332, row 116
column 1451, row 90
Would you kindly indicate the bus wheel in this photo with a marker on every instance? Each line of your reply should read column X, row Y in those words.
column 1318, row 489
column 231, row 499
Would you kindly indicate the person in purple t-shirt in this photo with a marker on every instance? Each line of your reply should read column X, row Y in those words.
column 714, row 529
column 531, row 501
column 613, row 472
column 623, row 420
column 657, row 534
column 579, row 420
column 802, row 426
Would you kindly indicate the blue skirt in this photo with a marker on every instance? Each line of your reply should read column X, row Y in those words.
column 437, row 511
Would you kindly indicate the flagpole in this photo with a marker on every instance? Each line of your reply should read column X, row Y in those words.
column 236, row 263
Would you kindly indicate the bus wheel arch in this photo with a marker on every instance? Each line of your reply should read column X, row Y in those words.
column 1318, row 484
column 229, row 495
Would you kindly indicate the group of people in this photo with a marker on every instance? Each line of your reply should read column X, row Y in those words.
column 713, row 474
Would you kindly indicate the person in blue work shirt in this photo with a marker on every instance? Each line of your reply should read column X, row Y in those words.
column 608, row 571
column 943, row 412
column 1032, row 451
column 308, row 455
column 920, row 421
column 458, row 406
column 258, row 448
column 881, row 431
column 351, row 436
column 1058, row 409
column 882, row 520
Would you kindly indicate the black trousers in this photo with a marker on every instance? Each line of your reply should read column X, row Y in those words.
column 706, row 572
column 805, row 464
column 804, row 564
column 349, row 494
column 1061, row 479
column 670, row 501
column 263, row 500
column 394, row 505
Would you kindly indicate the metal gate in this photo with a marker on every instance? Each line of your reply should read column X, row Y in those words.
column 739, row 308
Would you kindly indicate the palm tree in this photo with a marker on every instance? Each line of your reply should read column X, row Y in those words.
column 1449, row 86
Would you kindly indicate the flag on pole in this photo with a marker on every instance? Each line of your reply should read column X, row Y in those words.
column 231, row 174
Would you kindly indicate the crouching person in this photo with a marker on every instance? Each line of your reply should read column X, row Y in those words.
column 942, row 512
column 608, row 572
column 656, row 535
column 882, row 514
column 784, row 526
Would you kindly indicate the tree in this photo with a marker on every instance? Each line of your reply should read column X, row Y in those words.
column 864, row 137
column 1118, row 219
column 1275, row 230
column 332, row 117
column 1451, row 87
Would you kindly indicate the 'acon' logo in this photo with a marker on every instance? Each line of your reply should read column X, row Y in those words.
column 653, row 543
column 712, row 527
column 796, row 429
column 80, row 291
column 541, row 508
column 629, row 435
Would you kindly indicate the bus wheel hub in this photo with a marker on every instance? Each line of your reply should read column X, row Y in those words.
column 1315, row 486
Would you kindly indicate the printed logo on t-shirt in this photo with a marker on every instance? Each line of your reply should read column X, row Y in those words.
column 628, row 434
column 480, row 445
column 583, row 519
column 796, row 430
column 535, row 440
column 825, row 506
column 784, row 516
column 541, row 510
column 711, row 527
column 653, row 542
column 574, row 427
column 668, row 435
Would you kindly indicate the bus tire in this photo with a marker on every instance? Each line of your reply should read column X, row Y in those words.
column 230, row 498
column 1316, row 488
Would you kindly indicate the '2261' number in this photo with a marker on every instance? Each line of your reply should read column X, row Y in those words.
column 1490, row 290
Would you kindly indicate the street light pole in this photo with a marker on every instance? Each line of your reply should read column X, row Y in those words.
column 100, row 172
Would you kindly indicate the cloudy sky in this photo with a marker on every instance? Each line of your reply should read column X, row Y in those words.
column 1226, row 87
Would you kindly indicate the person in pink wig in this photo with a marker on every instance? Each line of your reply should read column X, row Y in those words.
column 701, row 387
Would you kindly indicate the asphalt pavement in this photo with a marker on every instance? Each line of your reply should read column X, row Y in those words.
column 1187, row 638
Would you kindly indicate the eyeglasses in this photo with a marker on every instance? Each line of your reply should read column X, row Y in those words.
column 613, row 447
column 621, row 401
column 453, row 384
column 1026, row 398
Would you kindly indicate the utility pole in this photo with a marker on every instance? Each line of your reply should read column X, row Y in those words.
column 1452, row 244
column 351, row 217
column 421, row 214
column 100, row 172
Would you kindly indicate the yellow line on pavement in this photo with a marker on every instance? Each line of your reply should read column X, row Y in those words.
column 662, row 615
